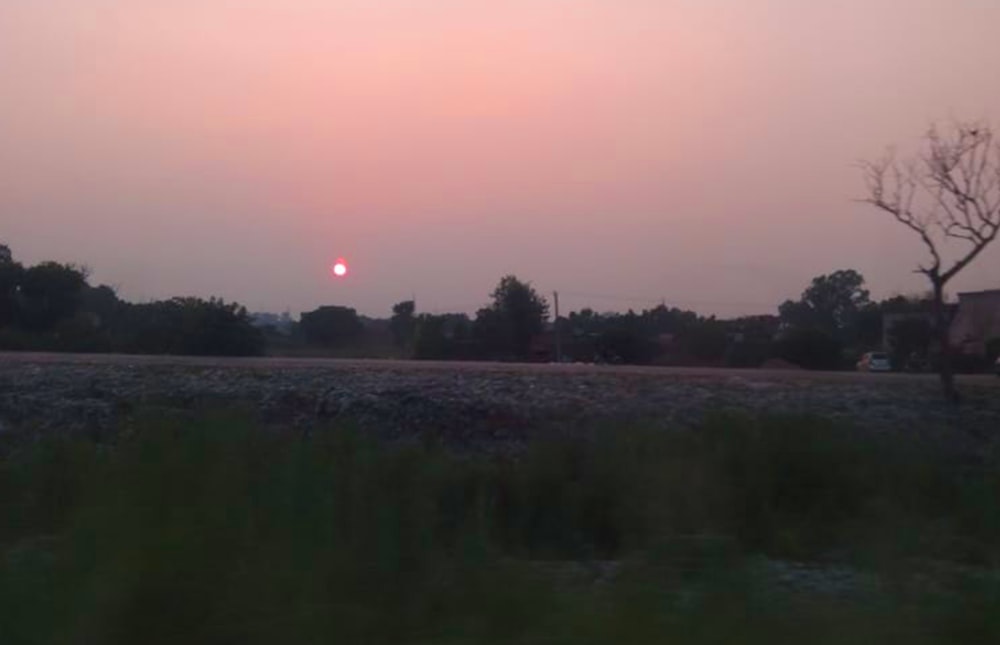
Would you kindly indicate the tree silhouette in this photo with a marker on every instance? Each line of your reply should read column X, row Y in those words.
column 951, row 192
column 331, row 325
column 403, row 322
column 10, row 280
column 831, row 303
column 515, row 316
column 49, row 292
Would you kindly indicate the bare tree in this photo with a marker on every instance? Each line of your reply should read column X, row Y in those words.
column 948, row 193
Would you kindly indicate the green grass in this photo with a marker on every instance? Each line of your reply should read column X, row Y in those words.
column 219, row 531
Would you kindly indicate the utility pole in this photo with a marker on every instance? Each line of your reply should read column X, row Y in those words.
column 555, row 300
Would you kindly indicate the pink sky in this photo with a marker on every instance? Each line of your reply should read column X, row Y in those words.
column 697, row 151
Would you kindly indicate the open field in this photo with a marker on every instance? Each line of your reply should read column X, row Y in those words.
column 167, row 499
column 472, row 403
column 11, row 359
column 213, row 529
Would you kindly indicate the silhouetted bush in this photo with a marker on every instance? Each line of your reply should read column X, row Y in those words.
column 330, row 325
column 187, row 326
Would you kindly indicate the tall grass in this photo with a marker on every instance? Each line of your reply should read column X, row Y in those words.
column 218, row 531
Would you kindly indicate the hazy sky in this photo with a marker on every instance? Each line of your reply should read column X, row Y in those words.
column 699, row 151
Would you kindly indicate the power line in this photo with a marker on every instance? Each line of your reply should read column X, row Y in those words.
column 634, row 299
column 662, row 300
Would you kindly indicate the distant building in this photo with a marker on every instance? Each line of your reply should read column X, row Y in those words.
column 908, row 309
column 977, row 322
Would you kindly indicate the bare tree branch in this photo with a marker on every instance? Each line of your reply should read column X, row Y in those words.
column 950, row 193
column 902, row 188
column 958, row 181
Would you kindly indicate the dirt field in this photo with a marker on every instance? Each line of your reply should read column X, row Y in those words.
column 472, row 403
column 10, row 359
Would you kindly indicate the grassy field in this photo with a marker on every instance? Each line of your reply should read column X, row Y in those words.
column 218, row 531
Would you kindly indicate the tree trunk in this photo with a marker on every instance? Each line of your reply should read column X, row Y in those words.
column 946, row 372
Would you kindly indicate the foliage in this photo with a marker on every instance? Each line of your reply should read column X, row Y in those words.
column 669, row 320
column 707, row 341
column 10, row 278
column 403, row 322
column 275, row 325
column 187, row 326
column 331, row 325
column 443, row 337
column 831, row 304
column 51, row 307
column 102, row 302
column 215, row 531
column 48, row 292
column 908, row 304
column 637, row 337
column 834, row 314
column 516, row 315
column 624, row 344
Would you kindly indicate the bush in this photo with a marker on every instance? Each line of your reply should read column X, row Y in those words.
column 331, row 325
column 187, row 326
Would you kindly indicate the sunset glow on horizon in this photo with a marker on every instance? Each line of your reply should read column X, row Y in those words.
column 703, row 150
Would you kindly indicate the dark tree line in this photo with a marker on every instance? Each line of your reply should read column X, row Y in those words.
column 828, row 327
column 515, row 326
column 52, row 307
column 505, row 329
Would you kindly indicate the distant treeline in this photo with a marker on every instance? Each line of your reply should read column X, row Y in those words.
column 832, row 323
column 52, row 307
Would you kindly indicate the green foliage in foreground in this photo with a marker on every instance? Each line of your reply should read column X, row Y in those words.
column 220, row 532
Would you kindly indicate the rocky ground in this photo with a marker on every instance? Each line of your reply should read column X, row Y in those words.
column 472, row 405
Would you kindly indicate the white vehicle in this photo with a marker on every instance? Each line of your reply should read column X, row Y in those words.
column 875, row 362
